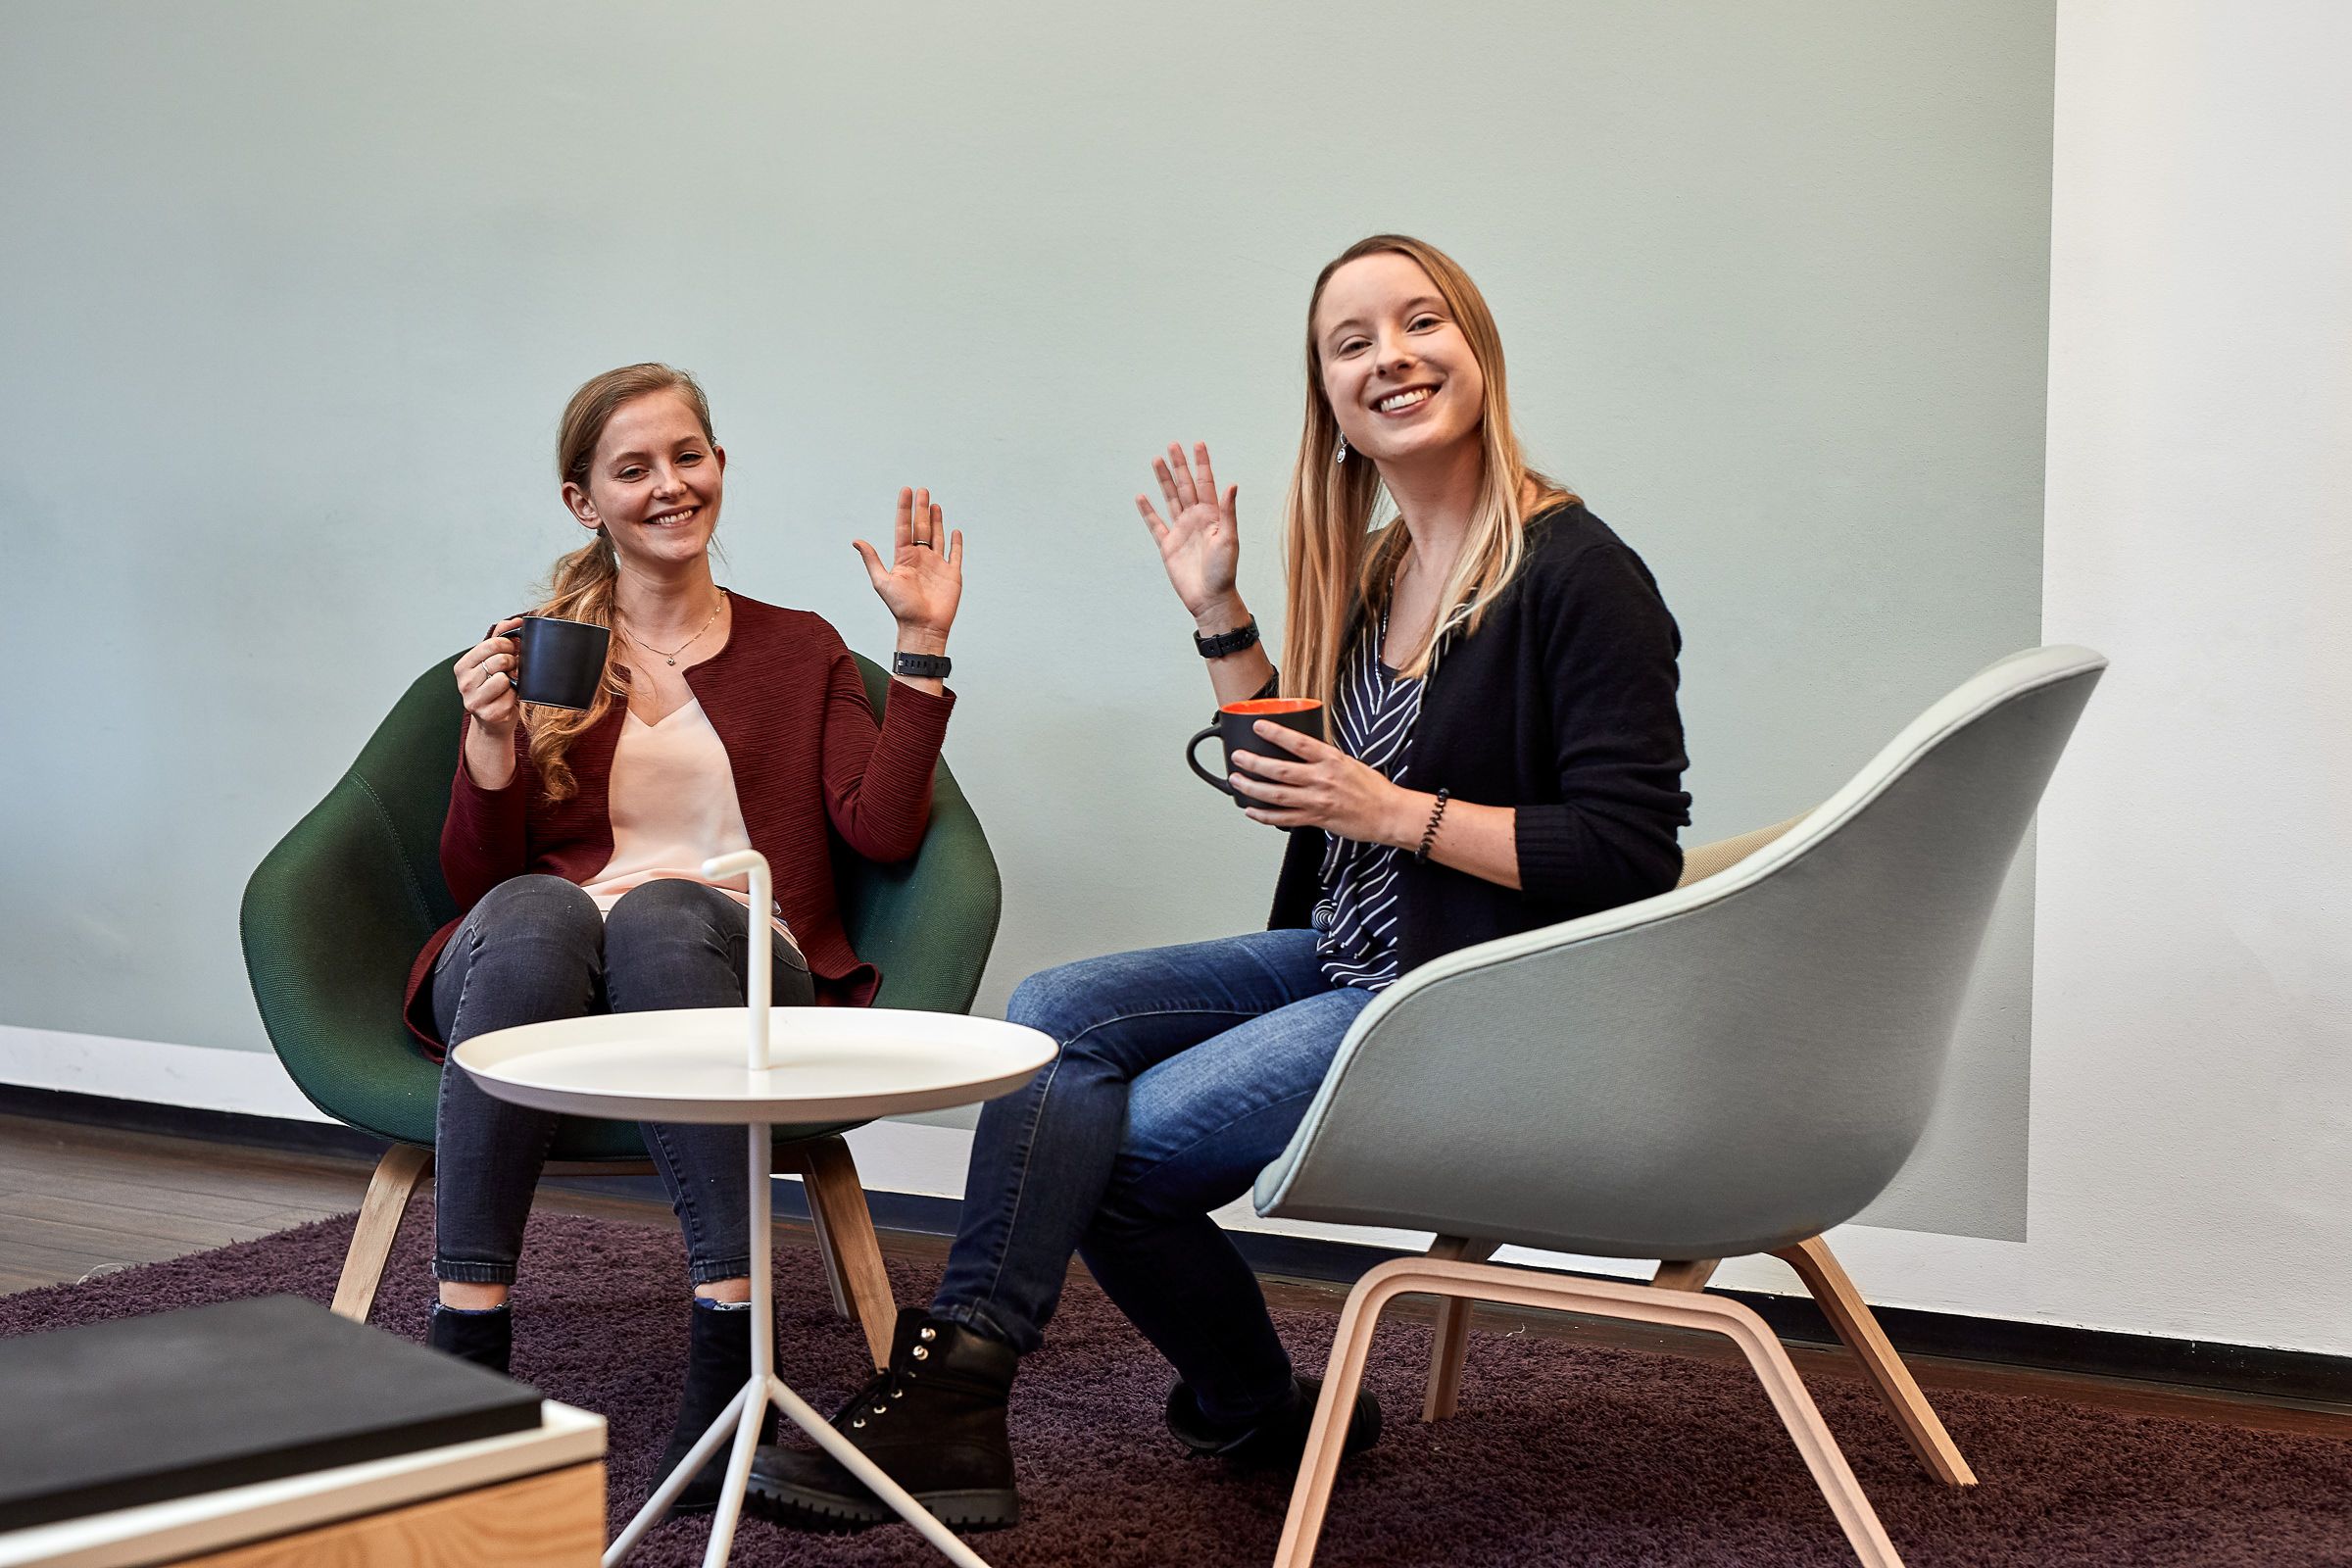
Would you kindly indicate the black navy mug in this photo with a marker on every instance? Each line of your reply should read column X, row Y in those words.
column 1236, row 725
column 562, row 662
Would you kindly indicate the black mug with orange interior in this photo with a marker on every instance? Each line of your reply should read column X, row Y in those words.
column 1236, row 726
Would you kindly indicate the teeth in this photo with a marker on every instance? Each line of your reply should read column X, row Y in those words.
column 1402, row 400
column 671, row 517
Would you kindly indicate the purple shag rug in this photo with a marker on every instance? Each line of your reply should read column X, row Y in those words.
column 1563, row 1453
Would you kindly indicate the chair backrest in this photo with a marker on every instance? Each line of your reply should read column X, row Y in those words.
column 1727, row 1069
column 332, row 918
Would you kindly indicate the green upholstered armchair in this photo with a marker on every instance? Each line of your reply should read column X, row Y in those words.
column 333, row 916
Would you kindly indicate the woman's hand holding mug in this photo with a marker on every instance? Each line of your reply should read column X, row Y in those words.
column 486, row 686
column 486, row 679
column 1319, row 785
column 1199, row 543
column 924, row 583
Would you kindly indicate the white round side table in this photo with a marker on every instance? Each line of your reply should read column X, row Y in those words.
column 759, row 1066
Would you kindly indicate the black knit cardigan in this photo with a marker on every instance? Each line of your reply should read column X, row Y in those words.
column 1562, row 705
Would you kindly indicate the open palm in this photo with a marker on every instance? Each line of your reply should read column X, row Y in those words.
column 1199, row 543
column 924, row 581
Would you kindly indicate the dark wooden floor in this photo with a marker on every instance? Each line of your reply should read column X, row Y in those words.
column 77, row 1201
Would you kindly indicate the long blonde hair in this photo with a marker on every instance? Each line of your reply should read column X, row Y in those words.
column 1331, row 560
column 581, row 588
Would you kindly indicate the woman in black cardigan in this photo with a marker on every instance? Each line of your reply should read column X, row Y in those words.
column 1503, row 752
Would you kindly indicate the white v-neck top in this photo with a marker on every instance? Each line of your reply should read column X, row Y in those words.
column 673, row 801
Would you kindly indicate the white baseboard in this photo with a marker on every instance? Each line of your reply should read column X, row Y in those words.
column 250, row 1083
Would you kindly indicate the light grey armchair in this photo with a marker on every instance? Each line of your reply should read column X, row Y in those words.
column 1732, row 1068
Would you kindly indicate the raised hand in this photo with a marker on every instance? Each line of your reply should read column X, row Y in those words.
column 924, row 581
column 1200, row 544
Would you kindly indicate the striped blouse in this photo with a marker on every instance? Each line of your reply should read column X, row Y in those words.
column 1373, row 711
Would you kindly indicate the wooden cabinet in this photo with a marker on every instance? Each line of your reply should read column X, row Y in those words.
column 550, row 1521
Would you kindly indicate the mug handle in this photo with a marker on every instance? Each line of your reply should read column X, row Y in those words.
column 1192, row 755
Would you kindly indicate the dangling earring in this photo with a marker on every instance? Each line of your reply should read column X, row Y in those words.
column 1341, row 455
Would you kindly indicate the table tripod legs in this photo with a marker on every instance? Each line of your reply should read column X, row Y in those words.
column 657, row 1506
column 744, row 1413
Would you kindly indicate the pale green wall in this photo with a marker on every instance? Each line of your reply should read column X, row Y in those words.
column 290, row 296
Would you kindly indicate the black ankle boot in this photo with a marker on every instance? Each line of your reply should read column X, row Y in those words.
column 486, row 1339
column 718, row 1363
column 934, row 1421
column 1276, row 1440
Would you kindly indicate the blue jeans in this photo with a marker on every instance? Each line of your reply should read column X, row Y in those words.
column 536, row 949
column 1183, row 1072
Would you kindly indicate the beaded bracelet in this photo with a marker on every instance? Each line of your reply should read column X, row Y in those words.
column 1429, row 834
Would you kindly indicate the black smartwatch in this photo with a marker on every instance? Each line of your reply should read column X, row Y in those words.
column 1228, row 642
column 921, row 666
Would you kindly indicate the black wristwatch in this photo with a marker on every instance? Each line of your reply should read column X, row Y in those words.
column 921, row 666
column 1228, row 642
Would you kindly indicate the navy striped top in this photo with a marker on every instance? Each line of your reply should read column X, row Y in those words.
column 1373, row 712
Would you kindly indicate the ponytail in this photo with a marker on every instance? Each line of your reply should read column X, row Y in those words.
column 580, row 589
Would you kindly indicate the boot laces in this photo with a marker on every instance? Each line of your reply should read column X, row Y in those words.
column 889, row 1386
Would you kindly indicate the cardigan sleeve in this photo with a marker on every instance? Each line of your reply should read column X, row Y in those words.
column 482, row 837
column 878, row 776
column 1608, row 647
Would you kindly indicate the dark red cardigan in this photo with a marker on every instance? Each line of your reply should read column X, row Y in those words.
column 790, row 706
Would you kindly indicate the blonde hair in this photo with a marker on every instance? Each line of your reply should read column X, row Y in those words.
column 581, row 588
column 1332, row 559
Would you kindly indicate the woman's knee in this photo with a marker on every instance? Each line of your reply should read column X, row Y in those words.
column 536, row 907
column 1069, row 1001
column 667, row 908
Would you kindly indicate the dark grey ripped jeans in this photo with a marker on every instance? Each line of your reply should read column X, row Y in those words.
column 536, row 947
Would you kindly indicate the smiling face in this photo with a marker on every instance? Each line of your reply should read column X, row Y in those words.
column 1396, row 365
column 654, row 482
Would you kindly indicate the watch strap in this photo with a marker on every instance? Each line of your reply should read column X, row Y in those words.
column 1228, row 642
column 921, row 666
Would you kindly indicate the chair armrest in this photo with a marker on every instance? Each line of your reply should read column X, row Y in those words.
column 927, row 922
column 331, row 921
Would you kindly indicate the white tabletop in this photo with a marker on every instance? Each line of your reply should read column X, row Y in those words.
column 690, row 1064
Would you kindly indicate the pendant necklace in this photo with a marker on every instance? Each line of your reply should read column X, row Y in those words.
column 672, row 654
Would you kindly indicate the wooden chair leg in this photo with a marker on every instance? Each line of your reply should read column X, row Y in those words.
column 793, row 1161
column 1686, row 1274
column 845, row 1234
column 1640, row 1303
column 1452, row 1340
column 389, row 1190
column 1858, row 1327
column 1327, row 1435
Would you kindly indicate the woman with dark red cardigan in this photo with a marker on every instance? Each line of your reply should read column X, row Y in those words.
column 574, row 840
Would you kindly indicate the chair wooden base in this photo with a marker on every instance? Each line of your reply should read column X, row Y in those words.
column 845, row 1229
column 1848, row 1314
column 1517, row 1287
column 845, row 1237
column 1858, row 1327
column 1452, row 1340
column 1685, row 1274
column 386, row 1204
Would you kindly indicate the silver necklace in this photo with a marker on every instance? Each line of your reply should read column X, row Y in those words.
column 672, row 654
